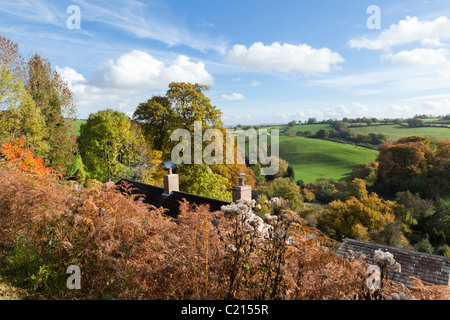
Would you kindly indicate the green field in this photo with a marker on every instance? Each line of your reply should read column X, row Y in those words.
column 314, row 158
column 78, row 124
column 395, row 131
column 304, row 127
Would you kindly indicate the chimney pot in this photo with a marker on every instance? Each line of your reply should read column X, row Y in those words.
column 241, row 191
column 170, row 182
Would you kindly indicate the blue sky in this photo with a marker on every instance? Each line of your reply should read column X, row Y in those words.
column 265, row 61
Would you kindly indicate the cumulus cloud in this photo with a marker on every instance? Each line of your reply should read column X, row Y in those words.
column 130, row 79
column 419, row 57
column 233, row 97
column 284, row 58
column 139, row 70
column 407, row 31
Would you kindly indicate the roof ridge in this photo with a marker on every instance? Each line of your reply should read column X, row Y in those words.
column 446, row 259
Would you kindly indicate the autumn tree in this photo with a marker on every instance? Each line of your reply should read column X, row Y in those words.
column 180, row 108
column 404, row 164
column 55, row 101
column 16, row 154
column 19, row 116
column 111, row 146
column 355, row 218
column 190, row 104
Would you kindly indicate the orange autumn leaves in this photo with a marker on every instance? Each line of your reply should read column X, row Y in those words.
column 15, row 154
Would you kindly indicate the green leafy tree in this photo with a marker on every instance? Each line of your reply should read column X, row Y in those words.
column 424, row 245
column 202, row 181
column 325, row 189
column 285, row 188
column 112, row 147
column 157, row 120
column 322, row 134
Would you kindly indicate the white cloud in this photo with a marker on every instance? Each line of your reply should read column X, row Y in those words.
column 70, row 76
column 284, row 58
column 419, row 57
column 139, row 70
column 233, row 97
column 124, row 83
column 255, row 83
column 407, row 31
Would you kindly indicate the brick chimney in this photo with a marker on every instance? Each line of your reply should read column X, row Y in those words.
column 242, row 191
column 170, row 182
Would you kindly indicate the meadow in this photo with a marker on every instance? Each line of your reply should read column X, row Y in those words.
column 395, row 131
column 314, row 158
column 78, row 124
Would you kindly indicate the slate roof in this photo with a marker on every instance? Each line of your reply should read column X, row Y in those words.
column 155, row 196
column 430, row 268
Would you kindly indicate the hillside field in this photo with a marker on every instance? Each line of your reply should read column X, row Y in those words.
column 78, row 124
column 395, row 131
column 314, row 158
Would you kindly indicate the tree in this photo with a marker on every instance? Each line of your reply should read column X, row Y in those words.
column 355, row 218
column 19, row 116
column 292, row 123
column 424, row 246
column 157, row 119
column 404, row 164
column 322, row 134
column 357, row 189
column 18, row 156
column 200, row 180
column 54, row 99
column 112, row 147
column 183, row 104
column 325, row 190
column 312, row 121
column 190, row 104
column 368, row 172
column 415, row 123
column 419, row 209
column 284, row 188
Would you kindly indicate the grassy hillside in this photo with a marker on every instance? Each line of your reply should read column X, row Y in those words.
column 314, row 158
column 78, row 124
column 304, row 127
column 395, row 132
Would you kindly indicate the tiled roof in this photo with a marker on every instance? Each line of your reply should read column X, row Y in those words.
column 155, row 196
column 430, row 268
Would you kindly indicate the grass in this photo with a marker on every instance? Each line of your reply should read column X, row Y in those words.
column 78, row 124
column 304, row 127
column 314, row 158
column 446, row 198
column 395, row 132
